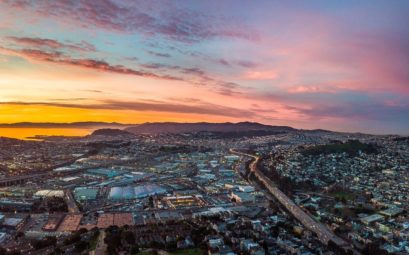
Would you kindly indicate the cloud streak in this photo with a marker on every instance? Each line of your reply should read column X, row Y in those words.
column 169, row 21
column 98, row 65
column 158, row 54
column 52, row 51
column 200, row 107
column 52, row 44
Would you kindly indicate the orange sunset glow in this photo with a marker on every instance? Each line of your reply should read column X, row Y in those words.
column 61, row 67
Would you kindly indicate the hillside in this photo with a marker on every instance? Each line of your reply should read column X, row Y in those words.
column 173, row 127
column 351, row 147
column 110, row 132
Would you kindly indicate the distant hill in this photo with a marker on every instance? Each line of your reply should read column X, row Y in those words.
column 173, row 127
column 110, row 132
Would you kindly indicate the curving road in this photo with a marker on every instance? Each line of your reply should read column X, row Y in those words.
column 323, row 233
column 70, row 201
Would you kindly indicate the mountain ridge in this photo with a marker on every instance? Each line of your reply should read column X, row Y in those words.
column 177, row 127
column 173, row 127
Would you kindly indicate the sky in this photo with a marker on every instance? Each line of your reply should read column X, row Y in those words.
column 338, row 65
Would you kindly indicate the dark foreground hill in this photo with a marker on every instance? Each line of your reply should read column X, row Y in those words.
column 111, row 132
column 172, row 127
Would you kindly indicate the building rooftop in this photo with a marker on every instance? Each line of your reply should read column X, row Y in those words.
column 134, row 192
column 84, row 193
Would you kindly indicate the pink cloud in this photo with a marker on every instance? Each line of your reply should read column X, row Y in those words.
column 312, row 89
column 162, row 19
column 261, row 75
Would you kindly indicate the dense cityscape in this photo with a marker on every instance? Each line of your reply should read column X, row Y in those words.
column 253, row 190
column 204, row 127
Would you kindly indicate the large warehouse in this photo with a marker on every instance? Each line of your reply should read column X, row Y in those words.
column 134, row 192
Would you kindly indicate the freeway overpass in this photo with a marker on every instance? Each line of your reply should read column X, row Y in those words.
column 17, row 180
column 10, row 181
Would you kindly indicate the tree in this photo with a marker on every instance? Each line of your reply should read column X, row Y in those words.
column 19, row 235
column 14, row 252
column 81, row 246
column 134, row 249
column 40, row 244
column 82, row 231
column 113, row 239
column 129, row 237
column 73, row 238
column 373, row 249
column 58, row 250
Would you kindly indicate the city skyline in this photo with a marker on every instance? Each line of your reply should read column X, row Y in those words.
column 204, row 127
column 338, row 66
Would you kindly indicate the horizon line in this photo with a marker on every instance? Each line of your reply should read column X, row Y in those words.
column 16, row 125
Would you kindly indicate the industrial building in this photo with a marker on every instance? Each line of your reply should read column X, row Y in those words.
column 49, row 193
column 242, row 197
column 70, row 223
column 85, row 193
column 115, row 219
column 184, row 201
column 16, row 205
column 135, row 192
column 104, row 172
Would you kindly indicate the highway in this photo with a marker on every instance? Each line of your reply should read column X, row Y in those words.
column 323, row 233
column 16, row 180
column 48, row 172
column 69, row 199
